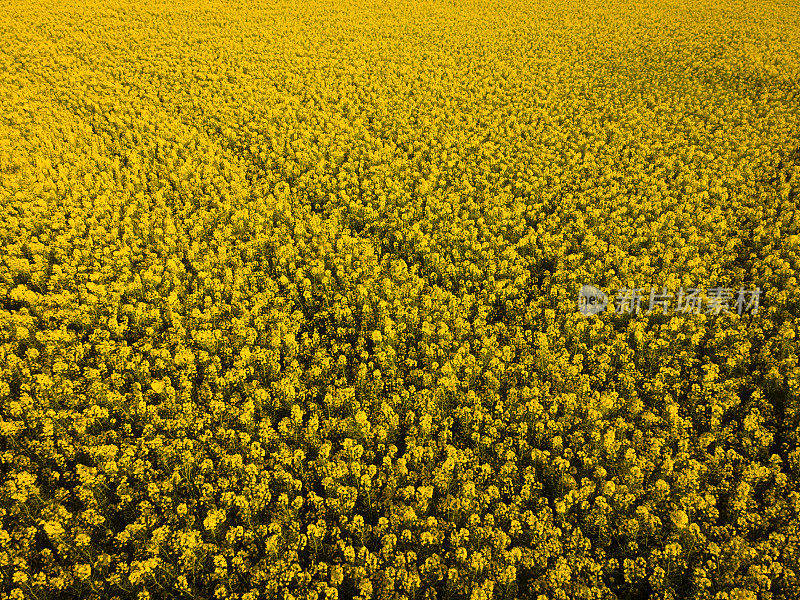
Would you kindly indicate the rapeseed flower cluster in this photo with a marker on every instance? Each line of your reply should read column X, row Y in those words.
column 288, row 301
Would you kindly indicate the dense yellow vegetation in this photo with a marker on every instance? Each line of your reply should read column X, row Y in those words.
column 288, row 300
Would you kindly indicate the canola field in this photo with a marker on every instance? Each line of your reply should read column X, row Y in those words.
column 289, row 300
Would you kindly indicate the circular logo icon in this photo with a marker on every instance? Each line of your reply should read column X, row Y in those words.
column 591, row 300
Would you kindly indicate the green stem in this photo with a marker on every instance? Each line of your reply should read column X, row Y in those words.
column 30, row 589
